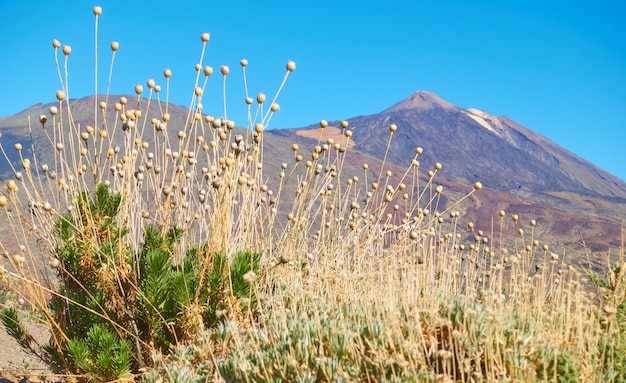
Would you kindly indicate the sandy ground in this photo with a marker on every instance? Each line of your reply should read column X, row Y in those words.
column 17, row 365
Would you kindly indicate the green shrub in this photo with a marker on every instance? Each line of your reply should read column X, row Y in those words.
column 113, row 308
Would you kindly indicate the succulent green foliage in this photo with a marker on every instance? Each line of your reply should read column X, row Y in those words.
column 101, row 354
column 242, row 264
column 111, row 301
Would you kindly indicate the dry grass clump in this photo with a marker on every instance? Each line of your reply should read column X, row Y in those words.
column 182, row 252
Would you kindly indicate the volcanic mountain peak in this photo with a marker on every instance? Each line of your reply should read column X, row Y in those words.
column 421, row 100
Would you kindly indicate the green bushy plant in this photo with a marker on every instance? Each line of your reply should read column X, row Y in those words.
column 114, row 307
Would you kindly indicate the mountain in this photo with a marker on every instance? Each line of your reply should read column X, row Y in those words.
column 577, row 205
column 524, row 172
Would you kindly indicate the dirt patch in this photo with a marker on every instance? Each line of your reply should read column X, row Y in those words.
column 326, row 133
column 17, row 365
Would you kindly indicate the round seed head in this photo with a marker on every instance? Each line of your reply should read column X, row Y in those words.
column 42, row 119
column 323, row 124
column 53, row 110
column 243, row 63
column 198, row 91
column 393, row 128
column 344, row 124
column 97, row 10
column 260, row 98
column 205, row 37
column 18, row 147
column 3, row 201
column 438, row 166
column 167, row 73
column 225, row 70
column 478, row 186
column 60, row 95
column 533, row 223
column 501, row 213
column 67, row 50
column 291, row 66
column 123, row 100
column 138, row 89
column 419, row 150
column 275, row 107
column 151, row 83
column 56, row 44
column 115, row 46
column 102, row 105
column 259, row 128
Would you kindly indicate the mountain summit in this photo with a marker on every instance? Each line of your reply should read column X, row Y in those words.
column 421, row 100
column 527, row 172
column 475, row 145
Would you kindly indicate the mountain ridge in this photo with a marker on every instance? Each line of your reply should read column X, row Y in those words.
column 523, row 172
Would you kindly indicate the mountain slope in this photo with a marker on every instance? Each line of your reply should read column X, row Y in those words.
column 525, row 172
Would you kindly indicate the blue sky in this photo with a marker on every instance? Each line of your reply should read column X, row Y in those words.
column 557, row 67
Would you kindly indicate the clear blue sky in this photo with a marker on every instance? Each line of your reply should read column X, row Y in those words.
column 557, row 67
